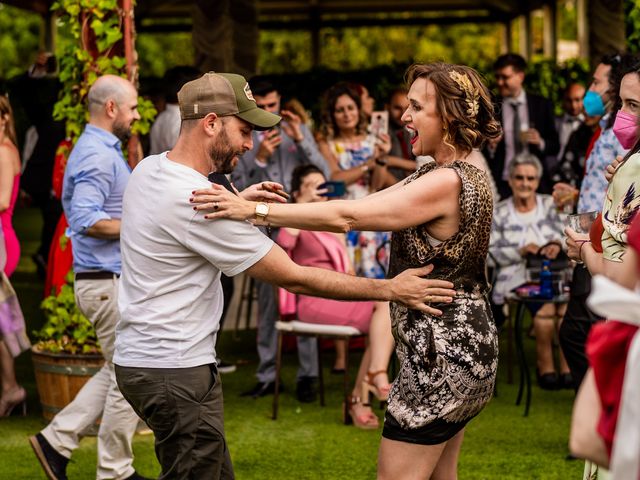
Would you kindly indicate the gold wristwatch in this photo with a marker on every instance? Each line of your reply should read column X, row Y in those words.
column 262, row 210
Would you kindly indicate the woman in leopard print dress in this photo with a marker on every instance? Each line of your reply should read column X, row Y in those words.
column 441, row 215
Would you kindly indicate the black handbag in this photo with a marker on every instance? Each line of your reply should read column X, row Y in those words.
column 557, row 265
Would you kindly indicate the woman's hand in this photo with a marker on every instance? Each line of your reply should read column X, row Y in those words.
column 265, row 192
column 383, row 145
column 529, row 248
column 564, row 194
column 551, row 250
column 291, row 125
column 419, row 293
column 575, row 241
column 219, row 202
column 612, row 167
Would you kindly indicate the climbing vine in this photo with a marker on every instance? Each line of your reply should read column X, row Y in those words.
column 95, row 28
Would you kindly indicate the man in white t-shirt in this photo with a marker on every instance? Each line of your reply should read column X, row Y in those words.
column 172, row 258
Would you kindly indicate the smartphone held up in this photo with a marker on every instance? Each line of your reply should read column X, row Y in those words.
column 379, row 123
column 333, row 189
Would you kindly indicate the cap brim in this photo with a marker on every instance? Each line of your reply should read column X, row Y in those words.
column 259, row 118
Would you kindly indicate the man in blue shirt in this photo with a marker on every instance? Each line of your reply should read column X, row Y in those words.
column 94, row 183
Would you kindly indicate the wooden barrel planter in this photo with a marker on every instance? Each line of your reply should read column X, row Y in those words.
column 59, row 377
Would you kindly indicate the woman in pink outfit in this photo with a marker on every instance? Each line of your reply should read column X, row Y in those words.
column 328, row 250
column 13, row 339
column 9, row 183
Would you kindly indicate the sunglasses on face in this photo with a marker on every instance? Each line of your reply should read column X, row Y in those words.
column 521, row 178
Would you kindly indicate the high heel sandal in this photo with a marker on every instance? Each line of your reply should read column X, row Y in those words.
column 368, row 421
column 10, row 400
column 370, row 388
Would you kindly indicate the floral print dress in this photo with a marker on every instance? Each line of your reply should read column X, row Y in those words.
column 368, row 251
column 447, row 364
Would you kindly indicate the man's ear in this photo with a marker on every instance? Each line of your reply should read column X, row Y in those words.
column 111, row 108
column 210, row 123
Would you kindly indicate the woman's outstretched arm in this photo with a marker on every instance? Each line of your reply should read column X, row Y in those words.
column 432, row 196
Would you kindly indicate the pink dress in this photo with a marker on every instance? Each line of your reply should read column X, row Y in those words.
column 11, row 243
column 324, row 250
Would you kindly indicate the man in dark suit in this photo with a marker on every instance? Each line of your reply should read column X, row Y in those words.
column 527, row 122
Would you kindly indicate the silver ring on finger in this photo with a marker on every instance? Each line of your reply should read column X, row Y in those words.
column 215, row 205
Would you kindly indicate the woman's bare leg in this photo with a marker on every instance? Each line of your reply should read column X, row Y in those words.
column 362, row 415
column 381, row 343
column 543, row 325
column 407, row 461
column 341, row 354
column 7, row 371
column 447, row 466
column 564, row 366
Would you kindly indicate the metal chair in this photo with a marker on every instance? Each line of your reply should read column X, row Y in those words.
column 304, row 329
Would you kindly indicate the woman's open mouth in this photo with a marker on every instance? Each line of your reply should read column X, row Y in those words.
column 414, row 136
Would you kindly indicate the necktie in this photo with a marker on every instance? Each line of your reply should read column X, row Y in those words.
column 517, row 138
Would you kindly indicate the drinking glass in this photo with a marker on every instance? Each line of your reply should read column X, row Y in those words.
column 581, row 222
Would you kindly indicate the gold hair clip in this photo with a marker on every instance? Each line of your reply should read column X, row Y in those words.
column 470, row 92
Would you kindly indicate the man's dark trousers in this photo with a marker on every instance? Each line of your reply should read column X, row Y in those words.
column 183, row 407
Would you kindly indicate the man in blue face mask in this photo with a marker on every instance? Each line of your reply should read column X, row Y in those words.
column 600, row 99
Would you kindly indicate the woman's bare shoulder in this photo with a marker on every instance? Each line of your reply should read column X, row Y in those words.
column 9, row 155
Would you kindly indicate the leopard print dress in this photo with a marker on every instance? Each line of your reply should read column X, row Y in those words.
column 447, row 364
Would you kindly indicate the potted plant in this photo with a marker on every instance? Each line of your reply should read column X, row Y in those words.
column 99, row 40
column 67, row 352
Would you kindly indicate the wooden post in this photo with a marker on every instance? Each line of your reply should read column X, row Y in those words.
column 582, row 28
column 507, row 37
column 550, row 38
column 135, row 153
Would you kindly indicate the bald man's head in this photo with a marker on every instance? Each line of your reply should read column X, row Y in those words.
column 113, row 105
column 572, row 101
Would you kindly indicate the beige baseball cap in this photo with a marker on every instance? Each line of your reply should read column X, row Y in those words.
column 223, row 94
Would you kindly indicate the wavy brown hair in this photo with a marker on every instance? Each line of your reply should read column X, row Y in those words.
column 329, row 128
column 464, row 105
column 6, row 113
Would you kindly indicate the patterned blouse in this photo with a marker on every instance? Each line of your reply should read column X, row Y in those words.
column 620, row 206
column 594, row 185
column 511, row 231
column 368, row 251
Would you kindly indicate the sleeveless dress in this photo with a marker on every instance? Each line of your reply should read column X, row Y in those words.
column 368, row 251
column 11, row 243
column 448, row 364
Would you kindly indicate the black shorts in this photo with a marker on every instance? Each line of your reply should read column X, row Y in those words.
column 435, row 433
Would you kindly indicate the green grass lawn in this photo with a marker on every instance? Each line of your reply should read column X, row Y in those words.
column 307, row 441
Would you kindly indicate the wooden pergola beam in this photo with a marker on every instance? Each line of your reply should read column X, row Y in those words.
column 309, row 24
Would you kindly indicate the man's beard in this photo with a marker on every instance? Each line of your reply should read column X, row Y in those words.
column 122, row 131
column 222, row 154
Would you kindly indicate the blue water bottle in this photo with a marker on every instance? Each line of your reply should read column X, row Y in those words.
column 546, row 280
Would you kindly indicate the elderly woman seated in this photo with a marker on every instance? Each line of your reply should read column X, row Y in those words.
column 528, row 223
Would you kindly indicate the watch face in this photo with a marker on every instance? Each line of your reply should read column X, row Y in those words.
column 262, row 209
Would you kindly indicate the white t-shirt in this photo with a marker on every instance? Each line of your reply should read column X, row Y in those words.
column 170, row 297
